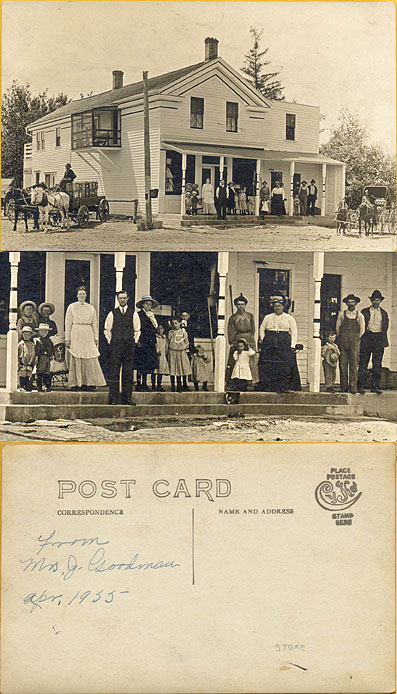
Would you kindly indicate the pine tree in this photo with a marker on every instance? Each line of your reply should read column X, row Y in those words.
column 254, row 65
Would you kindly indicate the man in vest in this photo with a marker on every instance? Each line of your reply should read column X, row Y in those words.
column 122, row 330
column 221, row 199
column 373, row 342
column 350, row 327
column 311, row 198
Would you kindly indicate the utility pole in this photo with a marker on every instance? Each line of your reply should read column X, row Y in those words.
column 146, row 146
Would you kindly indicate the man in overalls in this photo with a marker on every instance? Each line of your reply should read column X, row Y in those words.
column 350, row 326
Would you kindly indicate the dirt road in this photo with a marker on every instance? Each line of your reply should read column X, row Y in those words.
column 123, row 235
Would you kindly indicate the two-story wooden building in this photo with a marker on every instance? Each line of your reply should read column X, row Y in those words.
column 206, row 121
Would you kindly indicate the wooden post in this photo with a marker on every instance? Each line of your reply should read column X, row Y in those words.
column 318, row 271
column 183, row 195
column 324, row 176
column 220, row 342
column 291, row 192
column 146, row 146
column 257, row 186
column 119, row 264
column 12, row 335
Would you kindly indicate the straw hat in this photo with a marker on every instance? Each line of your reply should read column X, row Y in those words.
column 139, row 304
column 27, row 303
column 50, row 306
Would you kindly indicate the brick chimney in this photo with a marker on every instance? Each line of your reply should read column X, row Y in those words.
column 117, row 79
column 211, row 48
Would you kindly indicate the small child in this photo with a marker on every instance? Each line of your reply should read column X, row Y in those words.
column 194, row 201
column 201, row 369
column 44, row 352
column 28, row 316
column 163, row 370
column 188, row 202
column 26, row 358
column 178, row 361
column 297, row 206
column 242, row 200
column 241, row 374
column 330, row 354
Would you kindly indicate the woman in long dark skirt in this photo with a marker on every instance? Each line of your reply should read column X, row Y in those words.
column 278, row 371
column 145, row 358
column 277, row 201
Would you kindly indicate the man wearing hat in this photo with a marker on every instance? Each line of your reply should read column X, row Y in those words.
column 46, row 310
column 311, row 198
column 146, row 359
column 373, row 342
column 350, row 326
column 44, row 351
column 122, row 328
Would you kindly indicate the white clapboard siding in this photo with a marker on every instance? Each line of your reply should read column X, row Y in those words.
column 175, row 123
column 306, row 130
column 52, row 159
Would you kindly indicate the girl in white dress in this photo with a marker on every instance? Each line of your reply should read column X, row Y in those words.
column 81, row 341
column 241, row 374
column 207, row 194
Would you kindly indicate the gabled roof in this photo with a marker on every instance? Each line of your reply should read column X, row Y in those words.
column 111, row 97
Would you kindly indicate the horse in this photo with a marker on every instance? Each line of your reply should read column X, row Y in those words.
column 44, row 199
column 22, row 204
column 367, row 214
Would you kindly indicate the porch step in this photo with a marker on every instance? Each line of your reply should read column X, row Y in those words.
column 26, row 413
column 64, row 397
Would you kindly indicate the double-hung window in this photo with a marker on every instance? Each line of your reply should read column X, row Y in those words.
column 290, row 126
column 57, row 137
column 40, row 140
column 196, row 112
column 231, row 116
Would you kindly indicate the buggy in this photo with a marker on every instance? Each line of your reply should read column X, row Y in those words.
column 84, row 199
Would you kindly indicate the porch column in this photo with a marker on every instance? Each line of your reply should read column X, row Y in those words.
column 119, row 264
column 324, row 175
column 198, row 162
column 318, row 271
column 162, row 170
column 12, row 335
column 221, row 166
column 183, row 183
column 142, row 282
column 257, row 185
column 291, row 190
column 343, row 180
column 220, row 342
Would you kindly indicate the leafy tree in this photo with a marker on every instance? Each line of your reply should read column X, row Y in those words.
column 254, row 65
column 366, row 162
column 19, row 108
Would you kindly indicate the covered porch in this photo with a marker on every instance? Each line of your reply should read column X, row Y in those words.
column 183, row 163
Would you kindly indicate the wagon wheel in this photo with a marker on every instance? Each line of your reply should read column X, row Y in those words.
column 83, row 216
column 55, row 219
column 10, row 211
column 103, row 210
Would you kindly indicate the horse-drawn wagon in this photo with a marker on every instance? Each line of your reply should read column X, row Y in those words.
column 84, row 199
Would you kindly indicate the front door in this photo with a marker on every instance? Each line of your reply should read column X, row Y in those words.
column 276, row 176
column 330, row 302
column 211, row 171
column 272, row 282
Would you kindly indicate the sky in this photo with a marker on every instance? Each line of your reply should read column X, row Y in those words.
column 330, row 54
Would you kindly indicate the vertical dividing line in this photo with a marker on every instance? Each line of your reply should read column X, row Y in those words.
column 193, row 567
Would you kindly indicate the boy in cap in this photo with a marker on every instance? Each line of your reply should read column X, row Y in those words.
column 350, row 326
column 44, row 351
column 26, row 358
column 373, row 342
column 46, row 310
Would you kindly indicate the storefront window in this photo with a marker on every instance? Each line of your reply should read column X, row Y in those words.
column 173, row 173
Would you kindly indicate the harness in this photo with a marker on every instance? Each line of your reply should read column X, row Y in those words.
column 44, row 201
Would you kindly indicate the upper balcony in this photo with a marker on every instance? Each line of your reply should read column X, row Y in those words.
column 98, row 127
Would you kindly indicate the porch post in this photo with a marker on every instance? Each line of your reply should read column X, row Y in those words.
column 318, row 271
column 12, row 335
column 119, row 264
column 324, row 175
column 198, row 162
column 343, row 180
column 221, row 166
column 162, row 170
column 291, row 191
column 220, row 342
column 257, row 177
column 183, row 183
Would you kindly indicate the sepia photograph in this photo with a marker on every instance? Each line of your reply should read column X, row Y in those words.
column 249, row 127
column 200, row 346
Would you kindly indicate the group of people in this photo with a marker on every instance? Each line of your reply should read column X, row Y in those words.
column 137, row 342
column 359, row 337
column 273, row 202
column 276, row 369
column 230, row 198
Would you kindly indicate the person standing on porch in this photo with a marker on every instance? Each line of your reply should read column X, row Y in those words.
column 241, row 325
column 207, row 194
column 373, row 342
column 311, row 198
column 178, row 361
column 278, row 334
column 46, row 310
column 277, row 203
column 231, row 198
column 121, row 329
column 81, row 340
column 146, row 360
column 303, row 198
column 264, row 199
column 350, row 326
column 221, row 199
